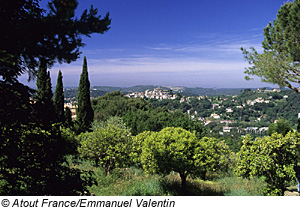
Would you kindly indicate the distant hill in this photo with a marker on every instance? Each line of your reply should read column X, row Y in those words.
column 96, row 91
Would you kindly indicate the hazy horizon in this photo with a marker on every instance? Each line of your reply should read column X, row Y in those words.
column 180, row 43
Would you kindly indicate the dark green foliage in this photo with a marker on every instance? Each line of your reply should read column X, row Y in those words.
column 232, row 139
column 282, row 126
column 85, row 113
column 116, row 104
column 289, row 109
column 43, row 172
column 54, row 36
column 59, row 98
column 203, row 107
column 139, row 115
column 179, row 119
column 33, row 149
column 68, row 117
column 279, row 62
column 152, row 120
column 43, row 95
column 44, row 102
column 159, row 118
column 282, row 35
column 32, row 157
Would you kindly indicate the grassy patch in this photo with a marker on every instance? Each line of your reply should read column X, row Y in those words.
column 236, row 186
column 172, row 186
column 134, row 182
column 150, row 186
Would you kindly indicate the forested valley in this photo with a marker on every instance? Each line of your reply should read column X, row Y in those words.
column 222, row 124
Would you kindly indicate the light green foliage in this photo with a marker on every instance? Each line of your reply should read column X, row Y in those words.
column 110, row 146
column 272, row 157
column 271, row 67
column 137, row 146
column 279, row 63
column 112, row 121
column 212, row 155
column 171, row 149
column 178, row 150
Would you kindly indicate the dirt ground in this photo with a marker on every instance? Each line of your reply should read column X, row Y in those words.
column 292, row 191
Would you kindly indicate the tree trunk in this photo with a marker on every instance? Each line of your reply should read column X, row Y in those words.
column 183, row 179
column 97, row 162
column 203, row 175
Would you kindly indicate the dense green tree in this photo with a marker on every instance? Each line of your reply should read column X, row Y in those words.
column 116, row 104
column 279, row 62
column 151, row 120
column 159, row 118
column 137, row 146
column 108, row 146
column 171, row 149
column 232, row 139
column 179, row 150
column 282, row 126
column 179, row 119
column 43, row 95
column 85, row 113
column 59, row 98
column 212, row 155
column 272, row 157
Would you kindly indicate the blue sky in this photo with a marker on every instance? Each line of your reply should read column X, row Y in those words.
column 193, row 43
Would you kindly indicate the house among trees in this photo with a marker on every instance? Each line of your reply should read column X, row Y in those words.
column 72, row 108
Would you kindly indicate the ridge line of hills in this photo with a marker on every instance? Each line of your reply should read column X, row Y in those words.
column 185, row 91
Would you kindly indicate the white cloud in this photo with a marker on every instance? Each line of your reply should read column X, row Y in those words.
column 219, row 58
column 155, row 65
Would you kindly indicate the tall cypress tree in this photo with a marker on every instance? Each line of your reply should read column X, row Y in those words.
column 49, row 93
column 45, row 108
column 59, row 98
column 41, row 82
column 85, row 113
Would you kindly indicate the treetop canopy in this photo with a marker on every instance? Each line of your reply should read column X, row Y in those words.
column 30, row 34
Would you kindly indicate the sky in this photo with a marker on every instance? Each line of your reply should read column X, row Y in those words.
column 192, row 43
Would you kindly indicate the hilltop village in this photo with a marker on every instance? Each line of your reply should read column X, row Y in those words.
column 157, row 93
column 248, row 112
column 251, row 111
